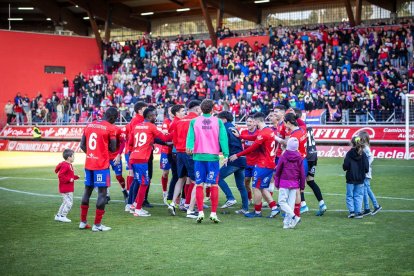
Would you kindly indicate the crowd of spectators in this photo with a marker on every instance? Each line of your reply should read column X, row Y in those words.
column 356, row 74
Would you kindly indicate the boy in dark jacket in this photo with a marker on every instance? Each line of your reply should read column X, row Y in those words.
column 290, row 177
column 66, row 177
column 356, row 166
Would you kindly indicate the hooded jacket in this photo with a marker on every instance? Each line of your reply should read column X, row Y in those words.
column 66, row 177
column 289, row 171
column 356, row 166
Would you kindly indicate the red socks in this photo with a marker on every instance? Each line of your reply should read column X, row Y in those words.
column 189, row 191
column 164, row 182
column 121, row 181
column 258, row 207
column 141, row 195
column 214, row 197
column 249, row 195
column 272, row 205
column 186, row 186
column 98, row 216
column 199, row 197
column 84, row 212
column 297, row 209
column 129, row 181
column 208, row 191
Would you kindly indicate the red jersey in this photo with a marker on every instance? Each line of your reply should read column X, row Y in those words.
column 281, row 133
column 141, row 142
column 97, row 135
column 251, row 158
column 166, row 126
column 120, row 143
column 265, row 141
column 128, row 128
column 179, row 130
column 302, row 137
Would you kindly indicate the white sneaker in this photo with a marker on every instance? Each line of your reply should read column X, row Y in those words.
column 64, row 219
column 241, row 211
column 57, row 218
column 192, row 214
column 294, row 222
column 200, row 217
column 229, row 203
column 127, row 207
column 214, row 218
column 84, row 225
column 171, row 209
column 145, row 211
column 141, row 213
column 99, row 228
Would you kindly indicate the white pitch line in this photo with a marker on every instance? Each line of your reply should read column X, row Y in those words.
column 159, row 204
column 233, row 188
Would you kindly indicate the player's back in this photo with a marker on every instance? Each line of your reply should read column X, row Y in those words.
column 311, row 152
column 302, row 137
column 141, row 141
column 181, row 130
column 98, row 135
column 266, row 138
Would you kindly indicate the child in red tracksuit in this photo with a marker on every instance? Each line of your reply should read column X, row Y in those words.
column 67, row 179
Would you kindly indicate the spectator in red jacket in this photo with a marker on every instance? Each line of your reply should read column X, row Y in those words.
column 67, row 178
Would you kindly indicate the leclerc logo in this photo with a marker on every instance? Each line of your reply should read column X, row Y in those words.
column 369, row 130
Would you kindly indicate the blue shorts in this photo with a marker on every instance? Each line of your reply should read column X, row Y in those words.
column 276, row 160
column 261, row 177
column 207, row 172
column 185, row 165
column 141, row 173
column 248, row 171
column 127, row 161
column 116, row 168
column 97, row 178
column 305, row 166
column 164, row 162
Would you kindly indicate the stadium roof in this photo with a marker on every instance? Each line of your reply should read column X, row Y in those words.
column 76, row 15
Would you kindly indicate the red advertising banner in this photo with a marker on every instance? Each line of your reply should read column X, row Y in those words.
column 40, row 146
column 322, row 133
column 379, row 152
column 3, row 144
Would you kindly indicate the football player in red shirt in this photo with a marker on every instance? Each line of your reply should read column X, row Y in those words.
column 264, row 168
column 98, row 139
column 139, row 108
column 185, row 163
column 141, row 143
column 166, row 157
column 115, row 160
column 300, row 134
column 251, row 158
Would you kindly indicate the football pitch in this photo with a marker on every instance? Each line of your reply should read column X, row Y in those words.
column 32, row 243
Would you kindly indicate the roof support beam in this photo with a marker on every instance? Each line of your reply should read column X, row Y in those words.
column 57, row 14
column 245, row 11
column 108, row 24
column 209, row 23
column 349, row 12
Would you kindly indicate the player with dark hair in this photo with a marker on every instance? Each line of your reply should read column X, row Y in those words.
column 185, row 162
column 166, row 156
column 264, row 168
column 139, row 108
column 178, row 112
column 299, row 133
column 206, row 136
column 98, row 139
column 312, row 158
column 141, row 143
column 237, row 167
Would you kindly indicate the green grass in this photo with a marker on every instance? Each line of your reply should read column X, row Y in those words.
column 31, row 242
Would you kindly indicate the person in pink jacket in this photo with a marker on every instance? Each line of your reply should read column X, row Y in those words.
column 67, row 178
column 289, row 177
